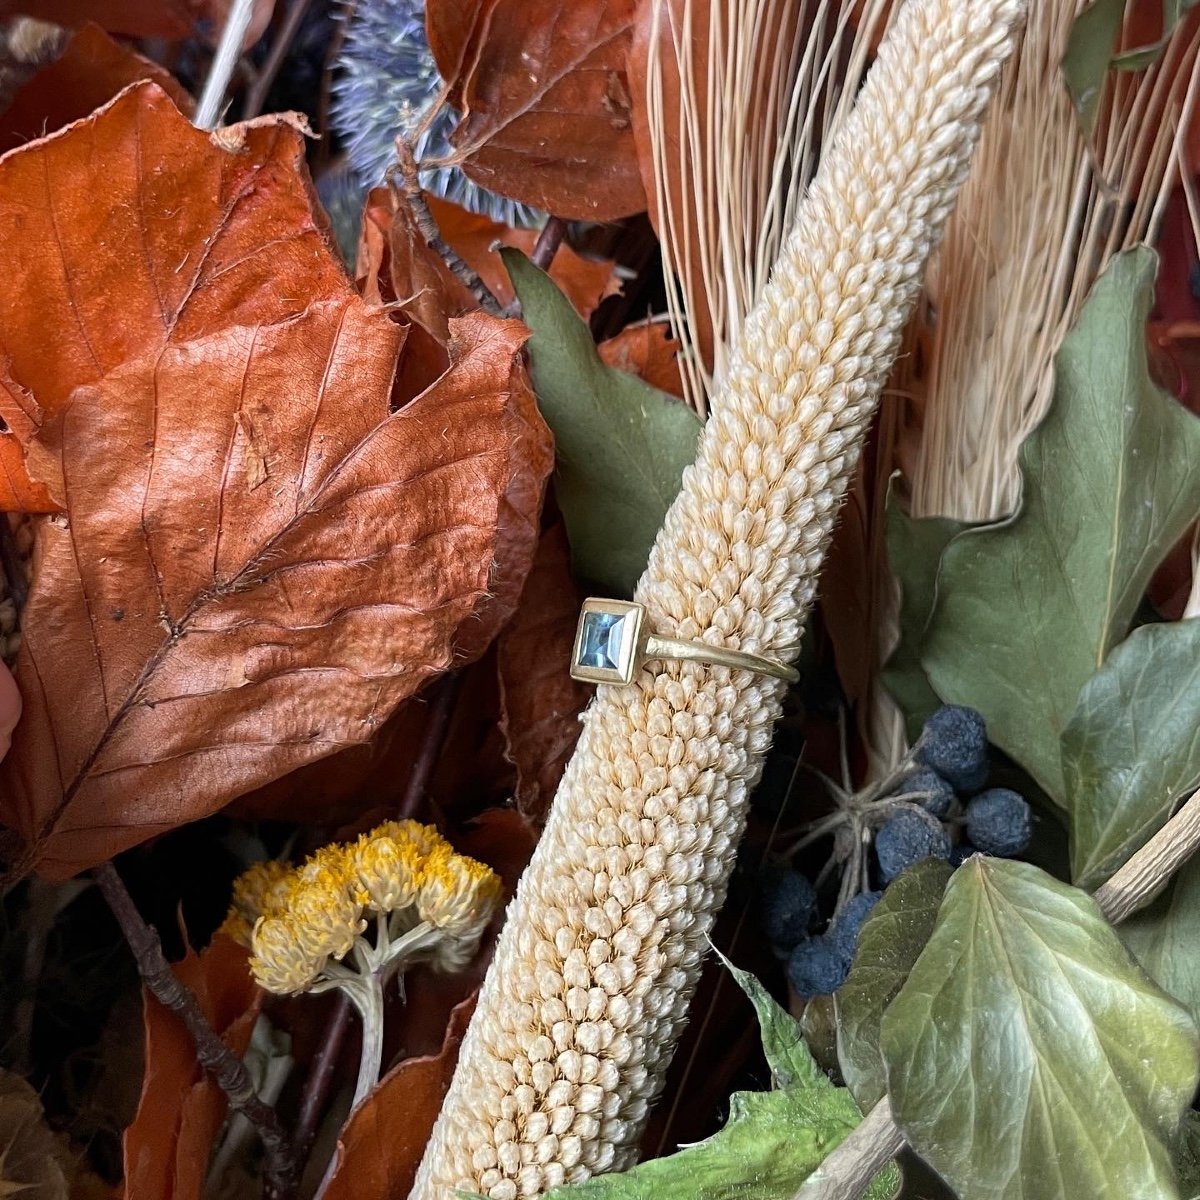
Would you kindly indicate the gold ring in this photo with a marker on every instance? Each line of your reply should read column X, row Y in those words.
column 612, row 643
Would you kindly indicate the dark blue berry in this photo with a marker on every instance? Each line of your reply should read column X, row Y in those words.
column 849, row 922
column 789, row 904
column 954, row 744
column 909, row 836
column 816, row 967
column 999, row 822
column 928, row 789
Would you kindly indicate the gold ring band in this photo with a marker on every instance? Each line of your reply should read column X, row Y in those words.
column 612, row 643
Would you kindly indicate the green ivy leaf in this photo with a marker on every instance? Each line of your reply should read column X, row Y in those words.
column 1132, row 747
column 1028, row 609
column 621, row 445
column 772, row 1141
column 1028, row 1056
column 914, row 547
column 1162, row 937
column 890, row 942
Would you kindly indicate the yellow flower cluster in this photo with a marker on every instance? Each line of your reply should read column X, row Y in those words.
column 296, row 919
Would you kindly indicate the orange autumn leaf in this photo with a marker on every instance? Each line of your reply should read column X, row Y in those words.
column 258, row 562
column 540, row 702
column 10, row 708
column 120, row 254
column 648, row 351
column 167, row 1147
column 381, row 1144
column 89, row 72
column 171, row 19
column 544, row 100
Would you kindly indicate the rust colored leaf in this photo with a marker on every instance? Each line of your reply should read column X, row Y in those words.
column 544, row 100
column 90, row 72
column 649, row 351
column 140, row 18
column 181, row 1110
column 129, row 231
column 540, row 702
column 382, row 1143
column 258, row 563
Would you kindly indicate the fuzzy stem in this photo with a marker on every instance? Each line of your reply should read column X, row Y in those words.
column 227, row 1070
column 369, row 1001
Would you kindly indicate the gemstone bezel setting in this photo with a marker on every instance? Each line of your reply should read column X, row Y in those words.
column 606, row 641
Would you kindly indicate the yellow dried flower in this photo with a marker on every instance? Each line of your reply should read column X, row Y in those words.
column 424, row 838
column 260, row 891
column 595, row 967
column 326, row 902
column 279, row 962
column 457, row 894
column 389, row 868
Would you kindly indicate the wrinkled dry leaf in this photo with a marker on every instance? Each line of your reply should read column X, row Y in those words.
column 648, row 351
column 142, row 18
column 242, row 585
column 381, row 1145
column 168, row 1145
column 90, row 72
column 544, row 99
column 540, row 702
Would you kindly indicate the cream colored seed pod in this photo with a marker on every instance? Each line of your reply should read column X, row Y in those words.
column 594, row 970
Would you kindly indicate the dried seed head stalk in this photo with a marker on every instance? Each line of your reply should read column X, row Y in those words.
column 594, row 970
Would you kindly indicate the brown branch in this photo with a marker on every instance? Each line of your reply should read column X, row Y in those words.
column 549, row 240
column 320, row 1076
column 256, row 94
column 227, row 1070
column 433, row 742
column 414, row 193
column 845, row 1174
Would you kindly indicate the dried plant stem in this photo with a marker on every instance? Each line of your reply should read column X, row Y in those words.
column 227, row 1070
column 224, row 63
column 320, row 1076
column 433, row 742
column 256, row 94
column 845, row 1174
column 548, row 242
column 414, row 193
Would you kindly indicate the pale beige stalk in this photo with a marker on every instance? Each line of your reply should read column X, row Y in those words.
column 593, row 972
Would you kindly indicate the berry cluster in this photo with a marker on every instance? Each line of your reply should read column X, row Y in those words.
column 931, row 805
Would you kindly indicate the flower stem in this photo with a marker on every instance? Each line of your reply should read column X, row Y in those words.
column 368, row 999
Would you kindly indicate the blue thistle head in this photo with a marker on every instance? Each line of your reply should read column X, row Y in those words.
column 385, row 82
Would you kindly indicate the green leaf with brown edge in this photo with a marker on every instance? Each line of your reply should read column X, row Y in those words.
column 914, row 548
column 772, row 1141
column 621, row 446
column 1162, row 937
column 1029, row 1056
column 1132, row 747
column 890, row 942
column 1027, row 610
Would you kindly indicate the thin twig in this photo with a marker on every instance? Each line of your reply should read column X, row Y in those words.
column 410, row 182
column 846, row 1172
column 227, row 1070
column 441, row 709
column 320, row 1076
column 256, row 94
column 224, row 63
column 549, row 240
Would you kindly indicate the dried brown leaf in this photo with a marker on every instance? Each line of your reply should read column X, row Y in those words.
column 540, row 702
column 544, row 100
column 649, row 351
column 258, row 562
column 167, row 1146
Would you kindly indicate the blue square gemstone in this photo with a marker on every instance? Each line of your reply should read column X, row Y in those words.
column 600, row 645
